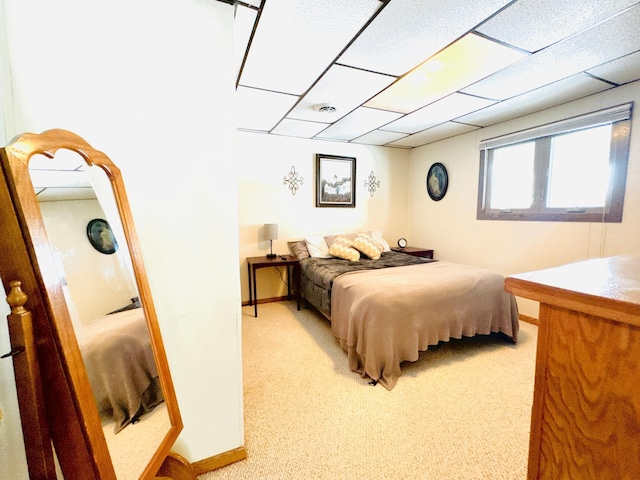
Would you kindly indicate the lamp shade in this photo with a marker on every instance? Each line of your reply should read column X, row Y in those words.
column 271, row 231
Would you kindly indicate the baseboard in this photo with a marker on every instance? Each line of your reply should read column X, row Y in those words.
column 220, row 460
column 270, row 300
column 528, row 319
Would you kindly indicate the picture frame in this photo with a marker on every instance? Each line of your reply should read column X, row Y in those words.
column 437, row 181
column 335, row 181
column 101, row 236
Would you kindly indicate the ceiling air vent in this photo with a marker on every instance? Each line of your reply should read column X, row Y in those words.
column 324, row 108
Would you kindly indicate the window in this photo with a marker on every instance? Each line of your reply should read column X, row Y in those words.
column 573, row 171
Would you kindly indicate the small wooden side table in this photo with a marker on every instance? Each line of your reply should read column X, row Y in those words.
column 415, row 251
column 293, row 272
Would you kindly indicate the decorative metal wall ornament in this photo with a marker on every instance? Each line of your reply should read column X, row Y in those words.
column 293, row 180
column 371, row 183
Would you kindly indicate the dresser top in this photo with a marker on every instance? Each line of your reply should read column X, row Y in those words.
column 606, row 283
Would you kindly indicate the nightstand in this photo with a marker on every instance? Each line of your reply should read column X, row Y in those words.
column 415, row 251
column 293, row 272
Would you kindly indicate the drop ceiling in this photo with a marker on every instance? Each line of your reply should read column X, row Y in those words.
column 405, row 73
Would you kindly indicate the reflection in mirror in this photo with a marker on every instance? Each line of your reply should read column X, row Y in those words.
column 104, row 304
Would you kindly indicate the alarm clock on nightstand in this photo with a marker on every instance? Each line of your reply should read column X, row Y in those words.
column 402, row 242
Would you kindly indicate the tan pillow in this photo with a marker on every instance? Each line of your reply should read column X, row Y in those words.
column 341, row 248
column 299, row 249
column 368, row 246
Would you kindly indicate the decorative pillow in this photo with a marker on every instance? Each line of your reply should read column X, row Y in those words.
column 331, row 238
column 317, row 247
column 368, row 246
column 299, row 249
column 341, row 248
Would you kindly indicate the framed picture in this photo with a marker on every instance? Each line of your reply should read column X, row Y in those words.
column 101, row 236
column 437, row 181
column 335, row 181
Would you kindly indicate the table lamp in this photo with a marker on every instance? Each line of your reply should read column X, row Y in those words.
column 271, row 232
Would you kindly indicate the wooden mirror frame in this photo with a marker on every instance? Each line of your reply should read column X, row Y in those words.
column 26, row 255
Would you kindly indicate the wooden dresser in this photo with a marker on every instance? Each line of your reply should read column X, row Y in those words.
column 585, row 421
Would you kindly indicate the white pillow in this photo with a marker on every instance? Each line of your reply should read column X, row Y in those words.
column 317, row 246
column 377, row 236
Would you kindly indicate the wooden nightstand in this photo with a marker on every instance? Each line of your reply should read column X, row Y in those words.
column 415, row 251
column 289, row 261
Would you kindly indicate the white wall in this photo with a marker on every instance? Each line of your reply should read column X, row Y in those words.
column 150, row 82
column 264, row 198
column 450, row 226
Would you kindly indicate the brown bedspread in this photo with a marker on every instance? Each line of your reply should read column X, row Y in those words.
column 384, row 317
column 118, row 357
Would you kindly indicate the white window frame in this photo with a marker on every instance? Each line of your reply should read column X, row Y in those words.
column 620, row 119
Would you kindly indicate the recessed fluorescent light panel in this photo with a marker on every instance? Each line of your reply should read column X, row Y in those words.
column 468, row 60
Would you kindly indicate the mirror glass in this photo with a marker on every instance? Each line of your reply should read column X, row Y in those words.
column 94, row 266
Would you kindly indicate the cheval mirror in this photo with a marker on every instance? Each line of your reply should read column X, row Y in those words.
column 68, row 242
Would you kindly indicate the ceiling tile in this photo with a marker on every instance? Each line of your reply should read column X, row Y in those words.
column 299, row 128
column 445, row 130
column 466, row 61
column 64, row 160
column 345, row 88
column 407, row 32
column 622, row 70
column 563, row 91
column 296, row 41
column 66, row 193
column 548, row 21
column 379, row 137
column 261, row 110
column 600, row 44
column 60, row 178
column 448, row 108
column 357, row 123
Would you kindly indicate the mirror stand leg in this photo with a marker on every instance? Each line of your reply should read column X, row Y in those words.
column 175, row 467
column 35, row 427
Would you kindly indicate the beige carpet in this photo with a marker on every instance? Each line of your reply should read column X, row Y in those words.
column 461, row 412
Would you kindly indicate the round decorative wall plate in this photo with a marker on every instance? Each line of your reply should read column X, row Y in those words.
column 437, row 181
column 101, row 236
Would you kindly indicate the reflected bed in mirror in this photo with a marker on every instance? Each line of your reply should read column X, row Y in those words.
column 101, row 306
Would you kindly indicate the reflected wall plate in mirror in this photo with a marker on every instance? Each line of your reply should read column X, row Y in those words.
column 437, row 181
column 101, row 236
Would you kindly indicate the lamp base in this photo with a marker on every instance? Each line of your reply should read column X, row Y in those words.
column 271, row 255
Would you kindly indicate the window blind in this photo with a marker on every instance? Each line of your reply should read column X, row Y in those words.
column 600, row 117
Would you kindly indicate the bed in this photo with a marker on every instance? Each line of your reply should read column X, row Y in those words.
column 118, row 357
column 385, row 311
